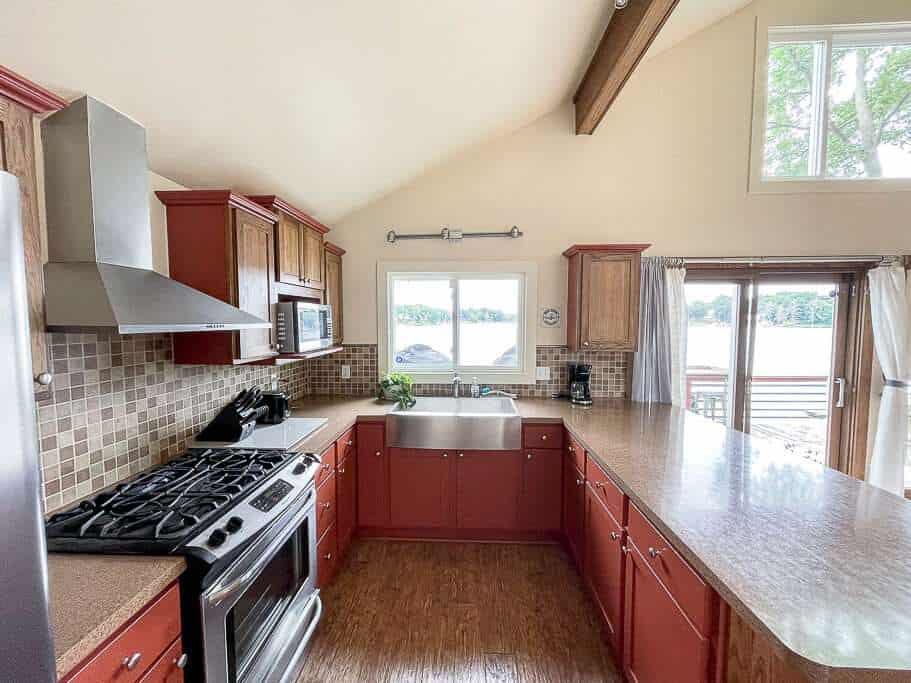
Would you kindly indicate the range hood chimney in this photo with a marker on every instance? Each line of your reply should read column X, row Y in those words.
column 99, row 272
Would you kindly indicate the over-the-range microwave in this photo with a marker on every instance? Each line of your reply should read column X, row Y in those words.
column 301, row 326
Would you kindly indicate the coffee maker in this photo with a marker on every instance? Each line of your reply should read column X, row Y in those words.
column 579, row 378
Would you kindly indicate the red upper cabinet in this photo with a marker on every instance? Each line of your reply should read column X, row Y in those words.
column 372, row 475
column 604, row 539
column 223, row 244
column 659, row 643
column 419, row 488
column 488, row 484
column 542, row 477
column 574, row 509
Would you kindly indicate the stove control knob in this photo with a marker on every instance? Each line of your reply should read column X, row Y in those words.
column 234, row 524
column 299, row 468
column 216, row 538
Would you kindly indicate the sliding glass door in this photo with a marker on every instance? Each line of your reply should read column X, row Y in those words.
column 766, row 355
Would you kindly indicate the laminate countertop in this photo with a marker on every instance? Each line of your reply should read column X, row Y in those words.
column 812, row 559
column 94, row 595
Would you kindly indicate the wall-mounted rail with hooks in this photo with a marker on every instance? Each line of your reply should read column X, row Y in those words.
column 452, row 235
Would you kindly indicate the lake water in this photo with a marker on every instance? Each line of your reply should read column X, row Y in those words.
column 780, row 351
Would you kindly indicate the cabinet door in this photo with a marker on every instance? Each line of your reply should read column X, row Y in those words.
column 487, row 489
column 419, row 488
column 610, row 301
column 334, row 293
column 255, row 259
column 372, row 476
column 659, row 642
column 289, row 250
column 604, row 562
column 169, row 667
column 542, row 477
column 312, row 258
column 574, row 509
column 346, row 481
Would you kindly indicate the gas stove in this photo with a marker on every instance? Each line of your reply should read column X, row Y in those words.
column 202, row 503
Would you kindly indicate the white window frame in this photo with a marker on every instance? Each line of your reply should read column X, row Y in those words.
column 526, row 271
column 831, row 36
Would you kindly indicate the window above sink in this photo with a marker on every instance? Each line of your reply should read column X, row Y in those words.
column 471, row 318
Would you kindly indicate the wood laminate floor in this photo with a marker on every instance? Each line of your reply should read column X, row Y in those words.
column 472, row 612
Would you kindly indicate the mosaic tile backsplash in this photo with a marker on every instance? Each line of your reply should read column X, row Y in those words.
column 119, row 404
column 608, row 373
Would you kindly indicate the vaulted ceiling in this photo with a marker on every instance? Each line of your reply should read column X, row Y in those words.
column 329, row 104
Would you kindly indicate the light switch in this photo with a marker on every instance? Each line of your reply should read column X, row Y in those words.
column 542, row 373
column 346, row 372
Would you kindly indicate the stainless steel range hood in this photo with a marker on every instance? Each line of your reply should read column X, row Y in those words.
column 99, row 271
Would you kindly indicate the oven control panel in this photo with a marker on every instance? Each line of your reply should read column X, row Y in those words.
column 267, row 500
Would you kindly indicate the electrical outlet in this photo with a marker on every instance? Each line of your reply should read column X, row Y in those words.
column 346, row 372
column 542, row 373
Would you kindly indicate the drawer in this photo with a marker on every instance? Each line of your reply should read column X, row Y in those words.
column 328, row 465
column 606, row 490
column 345, row 446
column 542, row 436
column 148, row 635
column 169, row 667
column 691, row 592
column 575, row 451
column 325, row 505
column 327, row 557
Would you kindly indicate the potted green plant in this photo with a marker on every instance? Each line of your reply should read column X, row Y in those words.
column 398, row 387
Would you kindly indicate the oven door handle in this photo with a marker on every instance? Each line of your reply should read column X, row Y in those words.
column 220, row 593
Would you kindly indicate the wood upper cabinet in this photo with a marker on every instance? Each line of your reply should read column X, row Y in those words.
column 20, row 100
column 541, row 490
column 223, row 244
column 488, row 485
column 333, row 271
column 372, row 475
column 419, row 488
column 298, row 246
column 602, row 310
column 659, row 642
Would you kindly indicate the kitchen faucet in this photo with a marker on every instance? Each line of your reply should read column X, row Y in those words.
column 456, row 382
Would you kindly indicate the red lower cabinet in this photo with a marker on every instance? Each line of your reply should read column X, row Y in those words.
column 372, row 475
column 604, row 564
column 488, row 484
column 346, row 506
column 419, row 488
column 539, row 508
column 574, row 510
column 659, row 643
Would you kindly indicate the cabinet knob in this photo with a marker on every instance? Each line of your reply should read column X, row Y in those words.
column 461, row 455
column 614, row 536
column 544, row 437
column 445, row 455
column 571, row 449
column 181, row 662
column 530, row 456
column 378, row 453
column 349, row 442
column 132, row 661
column 654, row 552
column 599, row 485
column 327, row 505
column 341, row 470
column 327, row 556
column 624, row 549
column 579, row 482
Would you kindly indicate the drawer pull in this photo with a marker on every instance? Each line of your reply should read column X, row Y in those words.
column 461, row 455
column 571, row 449
column 654, row 552
column 349, row 442
column 544, row 437
column 579, row 482
column 327, row 556
column 599, row 484
column 132, row 661
column 614, row 536
column 327, row 505
column 181, row 662
column 341, row 470
column 378, row 453
column 445, row 455
column 530, row 456
column 624, row 549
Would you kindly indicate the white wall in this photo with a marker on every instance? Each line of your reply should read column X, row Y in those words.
column 669, row 166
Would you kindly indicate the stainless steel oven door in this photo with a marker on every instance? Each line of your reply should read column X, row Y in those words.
column 260, row 614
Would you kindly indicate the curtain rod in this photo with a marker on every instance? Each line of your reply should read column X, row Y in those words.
column 756, row 260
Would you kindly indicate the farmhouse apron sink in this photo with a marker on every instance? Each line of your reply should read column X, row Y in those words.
column 475, row 424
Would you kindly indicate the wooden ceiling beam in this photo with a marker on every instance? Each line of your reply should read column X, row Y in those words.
column 627, row 37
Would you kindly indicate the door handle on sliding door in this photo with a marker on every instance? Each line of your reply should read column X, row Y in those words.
column 842, row 383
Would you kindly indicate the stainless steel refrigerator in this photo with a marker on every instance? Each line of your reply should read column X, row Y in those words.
column 26, row 645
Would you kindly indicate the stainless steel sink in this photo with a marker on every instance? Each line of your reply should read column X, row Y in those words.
column 477, row 424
